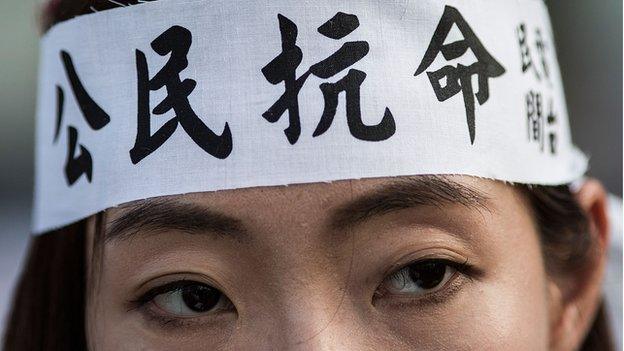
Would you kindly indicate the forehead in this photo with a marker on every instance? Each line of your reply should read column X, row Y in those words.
column 311, row 197
column 324, row 216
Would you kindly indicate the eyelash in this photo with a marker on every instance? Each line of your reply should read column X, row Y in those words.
column 464, row 271
column 162, row 289
column 143, row 304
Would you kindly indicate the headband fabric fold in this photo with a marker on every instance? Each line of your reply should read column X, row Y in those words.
column 172, row 97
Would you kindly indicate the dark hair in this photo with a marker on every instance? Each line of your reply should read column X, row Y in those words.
column 49, row 302
column 566, row 246
column 48, row 311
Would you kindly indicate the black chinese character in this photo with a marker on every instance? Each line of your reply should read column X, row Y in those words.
column 76, row 166
column 535, row 118
column 525, row 52
column 541, row 50
column 552, row 136
column 177, row 42
column 537, row 125
column 283, row 69
column 459, row 78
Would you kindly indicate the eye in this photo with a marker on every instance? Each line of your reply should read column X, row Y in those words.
column 189, row 299
column 420, row 278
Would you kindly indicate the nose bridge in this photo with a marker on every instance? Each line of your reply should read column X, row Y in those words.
column 334, row 336
column 319, row 314
column 308, row 302
column 329, row 325
column 309, row 305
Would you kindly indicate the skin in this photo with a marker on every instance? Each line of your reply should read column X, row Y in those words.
column 302, row 274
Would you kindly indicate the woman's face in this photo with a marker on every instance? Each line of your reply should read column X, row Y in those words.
column 379, row 264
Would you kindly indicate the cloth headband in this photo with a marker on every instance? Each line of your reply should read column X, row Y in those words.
column 172, row 97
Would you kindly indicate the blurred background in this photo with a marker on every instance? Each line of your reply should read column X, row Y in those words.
column 589, row 45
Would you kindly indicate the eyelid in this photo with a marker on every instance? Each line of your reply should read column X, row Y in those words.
column 199, row 277
column 210, row 320
column 467, row 273
column 460, row 267
column 452, row 286
column 223, row 303
column 147, row 306
column 433, row 253
column 167, row 288
column 161, row 282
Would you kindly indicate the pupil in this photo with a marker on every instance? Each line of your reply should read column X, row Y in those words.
column 427, row 275
column 200, row 298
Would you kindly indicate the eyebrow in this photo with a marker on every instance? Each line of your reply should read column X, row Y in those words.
column 158, row 215
column 408, row 192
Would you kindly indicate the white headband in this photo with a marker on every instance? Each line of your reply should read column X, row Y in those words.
column 172, row 97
